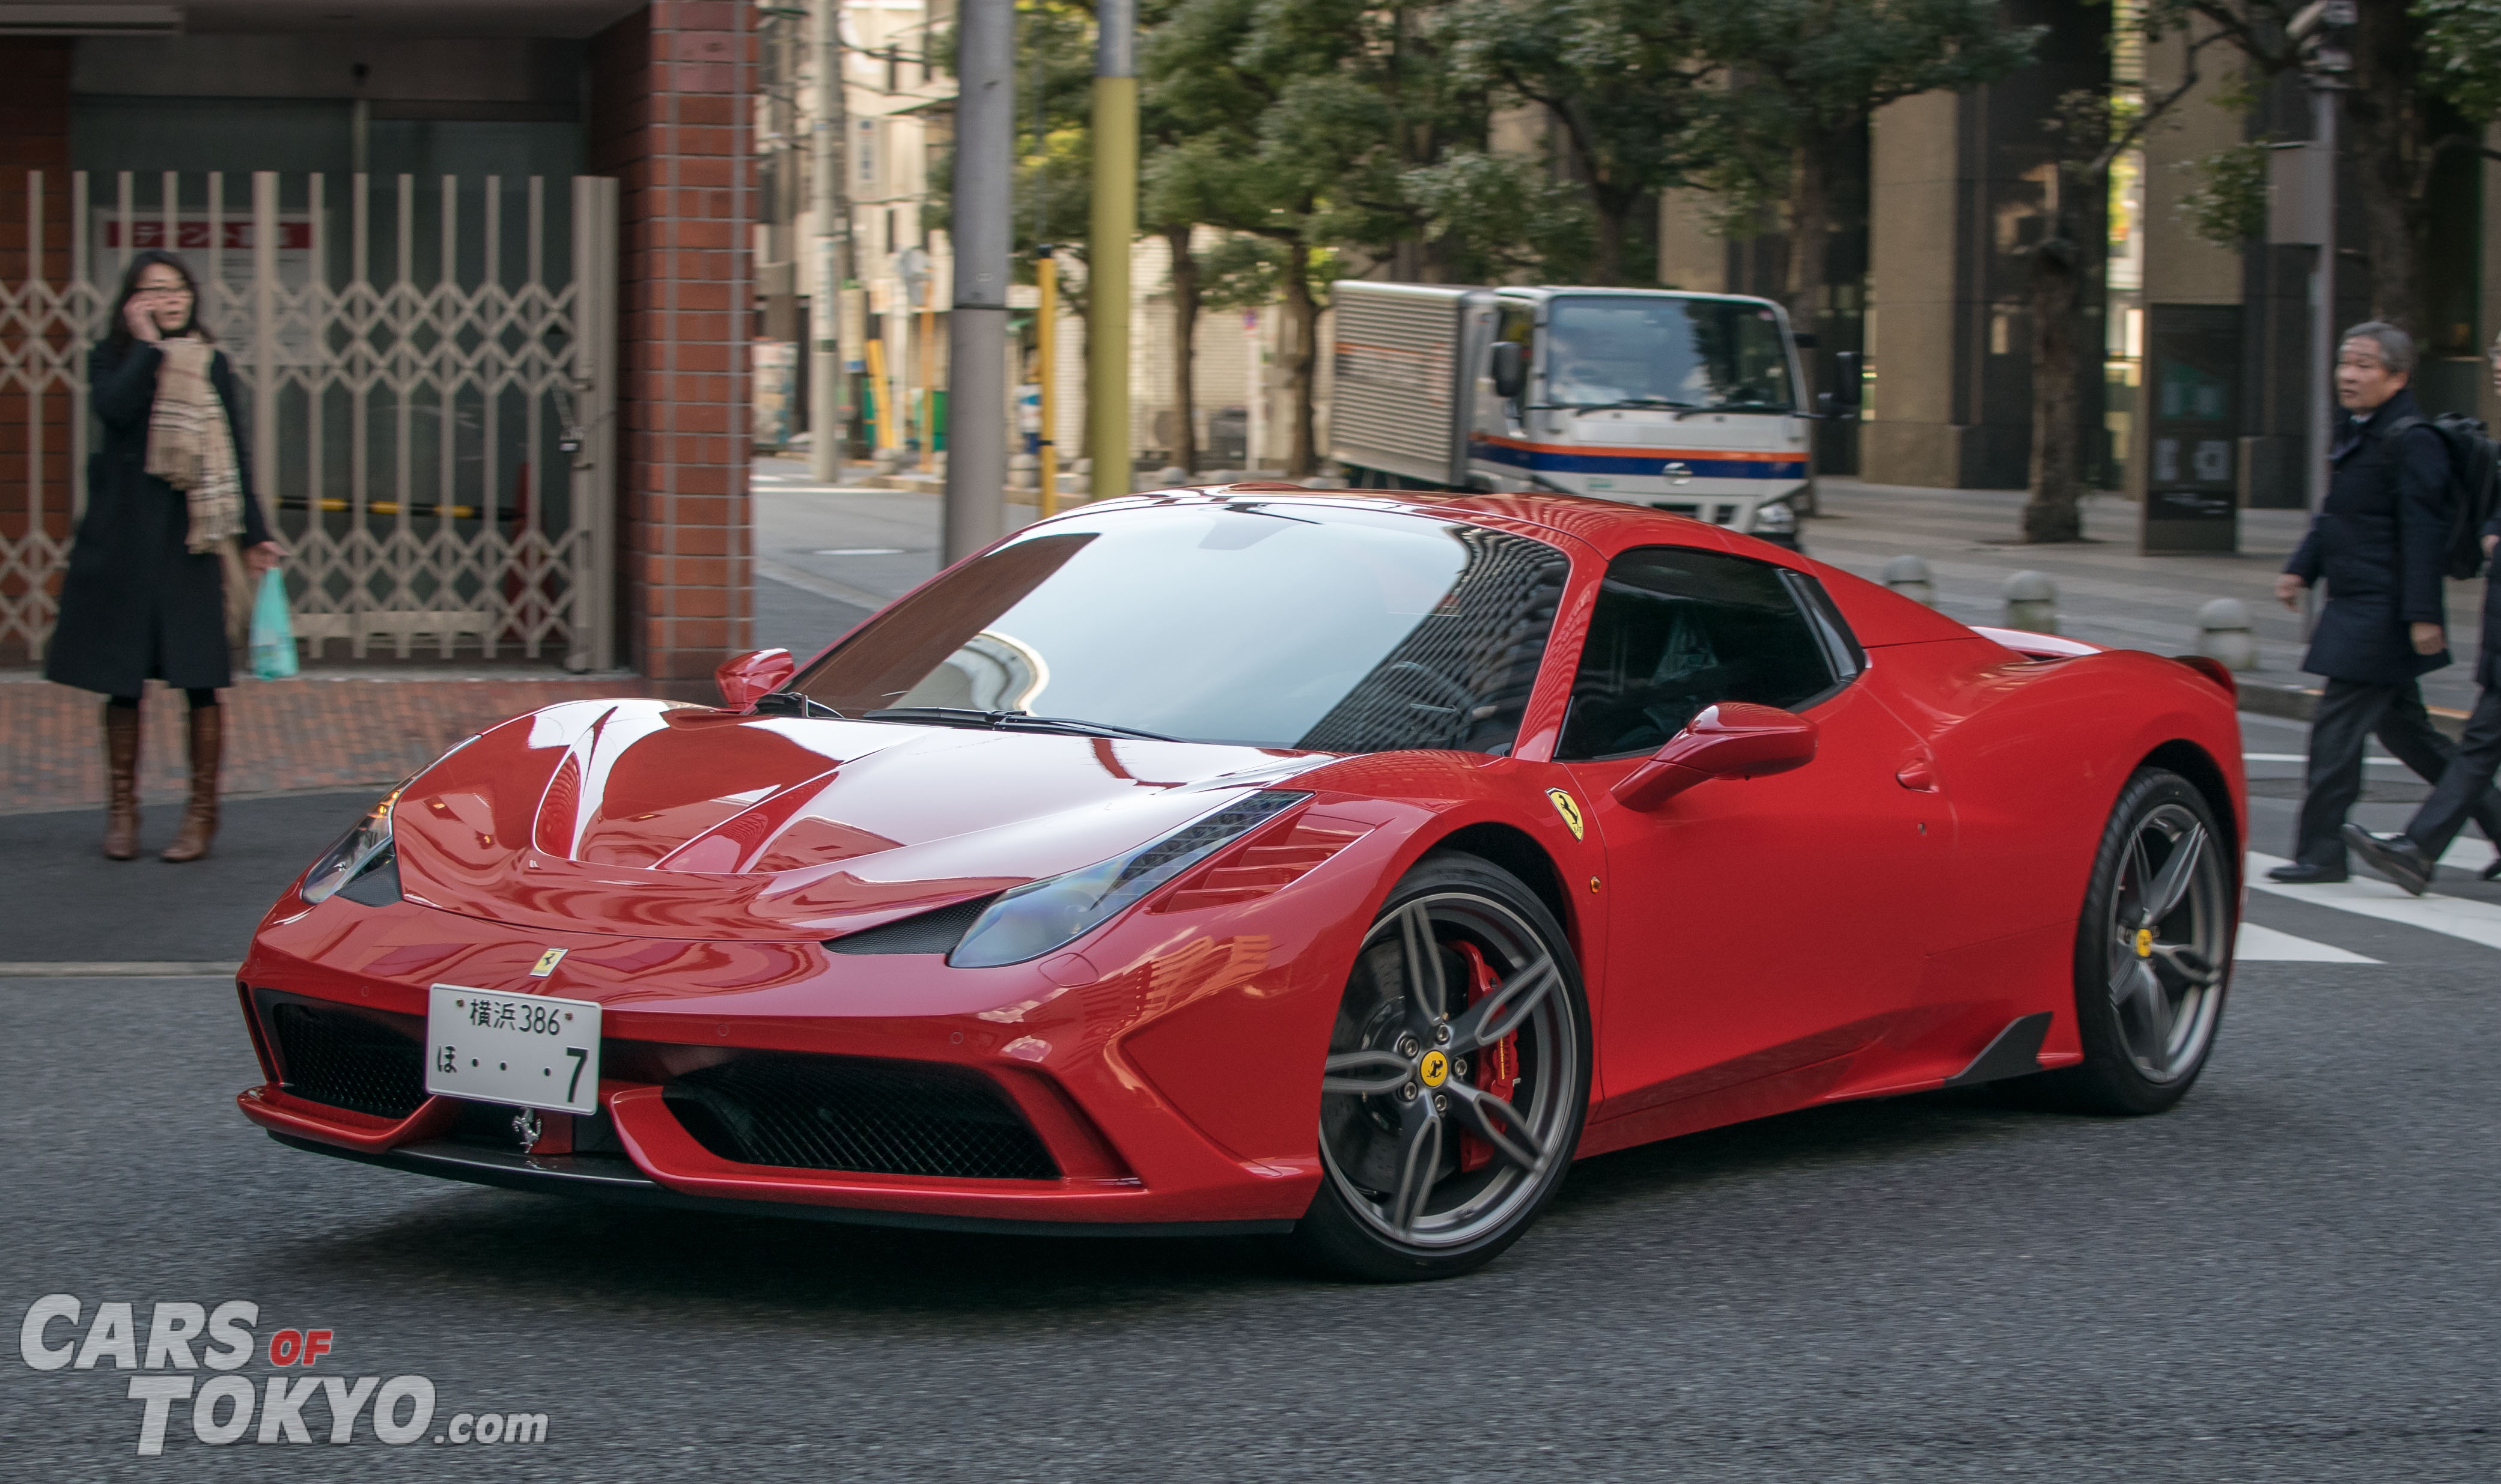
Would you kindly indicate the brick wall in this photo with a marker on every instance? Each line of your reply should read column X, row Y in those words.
column 34, row 136
column 668, row 118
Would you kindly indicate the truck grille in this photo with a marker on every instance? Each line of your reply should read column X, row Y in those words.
column 347, row 1061
column 867, row 1117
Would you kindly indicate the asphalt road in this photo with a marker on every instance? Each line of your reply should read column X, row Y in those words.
column 2291, row 1277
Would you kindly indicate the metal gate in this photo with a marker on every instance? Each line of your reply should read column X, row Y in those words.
column 430, row 377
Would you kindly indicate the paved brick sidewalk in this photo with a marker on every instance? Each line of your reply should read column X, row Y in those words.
column 282, row 736
column 2107, row 592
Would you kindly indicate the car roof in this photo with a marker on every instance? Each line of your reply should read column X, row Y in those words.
column 1610, row 526
column 1603, row 528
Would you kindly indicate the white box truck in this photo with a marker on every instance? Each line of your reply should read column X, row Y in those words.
column 1686, row 402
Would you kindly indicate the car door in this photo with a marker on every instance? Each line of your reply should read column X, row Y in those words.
column 1757, row 925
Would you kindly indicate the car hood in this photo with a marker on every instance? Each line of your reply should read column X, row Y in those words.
column 648, row 819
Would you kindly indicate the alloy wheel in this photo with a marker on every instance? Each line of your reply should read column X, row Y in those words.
column 2166, row 953
column 1446, row 1099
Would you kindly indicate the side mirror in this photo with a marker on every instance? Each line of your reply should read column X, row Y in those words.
column 1732, row 740
column 1847, row 392
column 745, row 678
column 1510, row 369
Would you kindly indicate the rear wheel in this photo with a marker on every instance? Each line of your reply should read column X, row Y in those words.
column 2152, row 952
column 1457, row 1080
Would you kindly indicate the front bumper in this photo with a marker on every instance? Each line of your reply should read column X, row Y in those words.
column 1103, row 1070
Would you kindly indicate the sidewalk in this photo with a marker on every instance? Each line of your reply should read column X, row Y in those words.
column 2107, row 593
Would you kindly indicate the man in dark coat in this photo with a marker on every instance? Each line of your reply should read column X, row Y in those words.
column 2409, row 856
column 2382, row 543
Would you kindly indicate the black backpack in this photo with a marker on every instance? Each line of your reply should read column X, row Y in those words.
column 2474, row 483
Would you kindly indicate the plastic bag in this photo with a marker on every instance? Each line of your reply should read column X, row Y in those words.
column 273, row 630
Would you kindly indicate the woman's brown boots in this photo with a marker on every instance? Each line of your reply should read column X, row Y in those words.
column 200, row 820
column 121, row 781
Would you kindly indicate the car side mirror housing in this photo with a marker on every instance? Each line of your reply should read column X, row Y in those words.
column 750, row 677
column 1847, row 392
column 1731, row 740
column 1510, row 369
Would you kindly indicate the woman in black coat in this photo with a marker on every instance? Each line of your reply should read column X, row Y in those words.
column 140, row 601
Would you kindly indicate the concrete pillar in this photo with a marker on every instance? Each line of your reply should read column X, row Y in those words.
column 1959, row 183
column 669, row 105
column 1689, row 256
column 2182, row 267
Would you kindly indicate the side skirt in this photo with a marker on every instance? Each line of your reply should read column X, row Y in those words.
column 2015, row 1054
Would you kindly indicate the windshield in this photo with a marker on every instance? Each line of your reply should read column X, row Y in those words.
column 1282, row 625
column 1689, row 352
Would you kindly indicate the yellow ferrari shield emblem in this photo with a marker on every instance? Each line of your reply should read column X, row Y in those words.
column 1567, row 807
column 2144, row 942
column 547, row 962
column 1434, row 1068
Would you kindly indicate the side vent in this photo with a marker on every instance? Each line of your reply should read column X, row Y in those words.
column 934, row 931
column 1257, row 869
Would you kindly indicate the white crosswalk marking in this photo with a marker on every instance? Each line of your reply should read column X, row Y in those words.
column 2476, row 922
column 2261, row 945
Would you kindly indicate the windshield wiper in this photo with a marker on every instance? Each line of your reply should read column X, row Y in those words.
column 1008, row 721
column 791, row 703
column 1636, row 402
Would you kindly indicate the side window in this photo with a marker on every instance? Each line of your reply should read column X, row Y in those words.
column 1676, row 630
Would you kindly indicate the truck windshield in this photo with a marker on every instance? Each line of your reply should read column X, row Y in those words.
column 1719, row 353
column 1278, row 624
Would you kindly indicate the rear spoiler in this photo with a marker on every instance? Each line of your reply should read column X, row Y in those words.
column 2053, row 647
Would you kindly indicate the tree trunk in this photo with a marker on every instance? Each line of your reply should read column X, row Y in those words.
column 1184, row 300
column 1606, row 264
column 2058, row 452
column 2384, row 133
column 1301, row 356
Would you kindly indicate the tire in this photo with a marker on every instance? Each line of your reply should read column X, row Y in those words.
column 2148, row 995
column 1444, row 1136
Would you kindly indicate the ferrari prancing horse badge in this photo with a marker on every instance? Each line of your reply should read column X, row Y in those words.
column 547, row 962
column 1567, row 807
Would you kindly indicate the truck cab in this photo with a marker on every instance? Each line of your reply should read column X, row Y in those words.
column 1685, row 403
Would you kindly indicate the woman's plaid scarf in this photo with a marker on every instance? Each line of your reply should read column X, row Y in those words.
column 190, row 446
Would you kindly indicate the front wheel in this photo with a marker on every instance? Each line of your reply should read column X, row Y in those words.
column 1457, row 1080
column 2153, row 951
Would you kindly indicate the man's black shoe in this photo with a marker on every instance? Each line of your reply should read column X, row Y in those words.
column 2303, row 873
column 2491, row 871
column 2393, row 856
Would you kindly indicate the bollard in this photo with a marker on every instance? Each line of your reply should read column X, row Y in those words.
column 1171, row 477
column 1024, row 472
column 1909, row 577
column 2223, row 633
column 2032, row 603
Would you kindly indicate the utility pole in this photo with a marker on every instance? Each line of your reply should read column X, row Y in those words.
column 977, row 326
column 2319, row 29
column 829, row 197
column 1115, row 223
column 1045, row 363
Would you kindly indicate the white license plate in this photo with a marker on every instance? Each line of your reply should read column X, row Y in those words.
column 528, row 1049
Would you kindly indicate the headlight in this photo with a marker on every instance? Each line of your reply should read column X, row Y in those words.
column 368, row 845
column 358, row 851
column 1775, row 519
column 1041, row 915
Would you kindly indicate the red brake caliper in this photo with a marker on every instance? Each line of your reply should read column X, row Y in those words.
column 1496, row 1068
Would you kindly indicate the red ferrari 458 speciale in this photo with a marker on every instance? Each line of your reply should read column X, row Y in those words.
column 1335, row 864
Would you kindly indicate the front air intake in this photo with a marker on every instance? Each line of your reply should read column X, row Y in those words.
column 851, row 1114
column 346, row 1060
column 932, row 932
